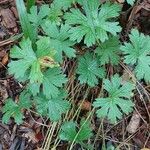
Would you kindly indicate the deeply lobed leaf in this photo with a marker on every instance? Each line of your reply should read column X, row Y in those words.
column 59, row 38
column 52, row 108
column 12, row 109
column 26, row 58
column 69, row 131
column 28, row 65
column 95, row 24
column 36, row 17
column 118, row 100
column 89, row 70
column 108, row 51
column 137, row 53
column 53, row 81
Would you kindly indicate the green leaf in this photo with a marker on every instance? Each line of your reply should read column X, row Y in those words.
column 118, row 100
column 108, row 51
column 36, row 17
column 36, row 74
column 131, row 2
column 85, row 131
column 53, row 81
column 24, row 100
column 70, row 133
column 89, row 70
column 57, row 8
column 52, row 108
column 44, row 47
column 137, row 53
column 12, row 109
column 46, row 53
column 26, row 58
column 64, row 4
column 28, row 30
column 30, row 3
column 52, row 13
column 55, row 13
column 59, row 39
column 95, row 24
column 34, row 88
column 28, row 64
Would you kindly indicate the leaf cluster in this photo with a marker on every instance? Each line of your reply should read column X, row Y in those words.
column 137, row 53
column 95, row 23
column 118, row 99
column 50, row 38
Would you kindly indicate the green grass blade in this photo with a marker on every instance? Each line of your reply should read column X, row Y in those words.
column 30, row 3
column 28, row 30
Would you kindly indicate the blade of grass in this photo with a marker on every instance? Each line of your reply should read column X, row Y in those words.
column 30, row 3
column 28, row 30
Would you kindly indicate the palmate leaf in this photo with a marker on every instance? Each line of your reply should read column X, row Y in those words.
column 108, row 51
column 52, row 108
column 89, row 70
column 59, row 39
column 95, row 24
column 36, row 17
column 65, row 4
column 28, row 63
column 70, row 133
column 53, row 81
column 137, row 53
column 26, row 59
column 85, row 131
column 57, row 8
column 12, row 109
column 52, row 13
column 28, row 66
column 118, row 100
column 55, row 13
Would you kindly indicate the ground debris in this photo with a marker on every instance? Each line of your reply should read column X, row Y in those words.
column 2, row 2
column 3, row 90
column 134, row 123
column 8, row 19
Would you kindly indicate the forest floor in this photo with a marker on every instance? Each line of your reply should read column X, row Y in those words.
column 30, row 135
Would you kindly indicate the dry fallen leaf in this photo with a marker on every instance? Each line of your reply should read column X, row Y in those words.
column 31, row 136
column 5, row 59
column 86, row 105
column 145, row 149
column 3, row 90
column 134, row 123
